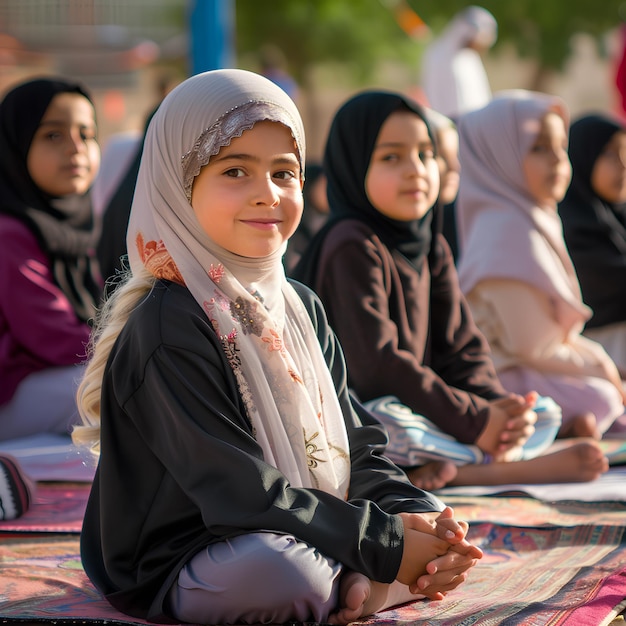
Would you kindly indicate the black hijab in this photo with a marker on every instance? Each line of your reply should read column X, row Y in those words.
column 594, row 229
column 64, row 226
column 351, row 141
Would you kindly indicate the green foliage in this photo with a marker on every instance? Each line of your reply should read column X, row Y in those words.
column 361, row 33
column 538, row 28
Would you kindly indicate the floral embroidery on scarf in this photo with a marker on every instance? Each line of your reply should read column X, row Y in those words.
column 216, row 272
column 341, row 453
column 244, row 313
column 229, row 344
column 157, row 260
column 274, row 341
column 311, row 448
column 219, row 302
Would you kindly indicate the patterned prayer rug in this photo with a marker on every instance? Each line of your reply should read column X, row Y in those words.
column 532, row 576
column 535, row 576
column 57, row 508
column 525, row 511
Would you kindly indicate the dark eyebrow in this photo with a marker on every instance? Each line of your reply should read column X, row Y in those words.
column 62, row 123
column 401, row 144
column 288, row 160
column 389, row 144
column 234, row 157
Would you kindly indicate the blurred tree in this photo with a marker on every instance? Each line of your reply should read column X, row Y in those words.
column 361, row 32
column 355, row 32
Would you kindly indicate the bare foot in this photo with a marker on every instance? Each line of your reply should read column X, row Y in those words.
column 584, row 425
column 359, row 596
column 573, row 461
column 433, row 475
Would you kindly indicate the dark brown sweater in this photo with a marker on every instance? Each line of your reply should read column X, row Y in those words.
column 406, row 333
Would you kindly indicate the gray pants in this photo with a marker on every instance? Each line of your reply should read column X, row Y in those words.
column 259, row 578
column 44, row 402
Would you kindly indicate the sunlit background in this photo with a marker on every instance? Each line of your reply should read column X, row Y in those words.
column 130, row 52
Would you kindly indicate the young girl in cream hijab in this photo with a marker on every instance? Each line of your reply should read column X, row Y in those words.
column 514, row 265
column 237, row 480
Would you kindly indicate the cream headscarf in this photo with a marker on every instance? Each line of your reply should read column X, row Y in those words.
column 267, row 336
column 454, row 78
column 502, row 232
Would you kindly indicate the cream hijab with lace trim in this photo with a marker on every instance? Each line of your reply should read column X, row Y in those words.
column 265, row 331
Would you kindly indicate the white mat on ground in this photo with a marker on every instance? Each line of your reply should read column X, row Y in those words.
column 609, row 487
column 49, row 457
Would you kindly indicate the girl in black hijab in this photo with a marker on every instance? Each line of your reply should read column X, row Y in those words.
column 346, row 161
column 388, row 282
column 49, row 280
column 593, row 213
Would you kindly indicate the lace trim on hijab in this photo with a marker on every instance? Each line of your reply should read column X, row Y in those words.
column 231, row 125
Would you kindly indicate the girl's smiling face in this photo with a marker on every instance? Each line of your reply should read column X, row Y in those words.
column 248, row 198
column 546, row 166
column 402, row 180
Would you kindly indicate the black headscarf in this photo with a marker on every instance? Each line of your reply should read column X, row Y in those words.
column 64, row 226
column 594, row 229
column 351, row 141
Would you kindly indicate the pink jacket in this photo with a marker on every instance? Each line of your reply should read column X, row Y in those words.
column 38, row 327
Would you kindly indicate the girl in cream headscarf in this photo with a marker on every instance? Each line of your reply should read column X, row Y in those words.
column 514, row 265
column 237, row 480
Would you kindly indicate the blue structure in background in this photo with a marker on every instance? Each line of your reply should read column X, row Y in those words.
column 211, row 27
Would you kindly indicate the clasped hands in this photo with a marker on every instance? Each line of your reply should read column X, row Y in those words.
column 436, row 556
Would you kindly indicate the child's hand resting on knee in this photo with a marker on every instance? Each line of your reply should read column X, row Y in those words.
column 509, row 425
